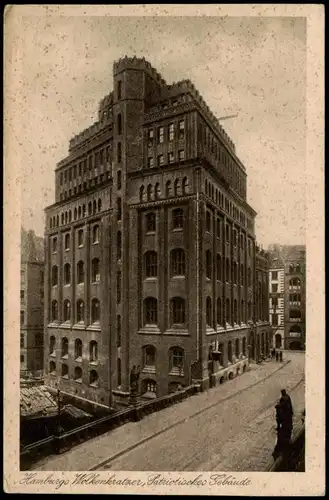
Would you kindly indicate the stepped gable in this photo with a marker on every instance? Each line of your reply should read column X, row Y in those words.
column 138, row 63
column 106, row 102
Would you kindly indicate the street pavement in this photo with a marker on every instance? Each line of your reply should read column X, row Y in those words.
column 229, row 427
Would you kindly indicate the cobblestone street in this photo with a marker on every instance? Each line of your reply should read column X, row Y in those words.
column 230, row 427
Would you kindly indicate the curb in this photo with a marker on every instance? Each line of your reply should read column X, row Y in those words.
column 148, row 438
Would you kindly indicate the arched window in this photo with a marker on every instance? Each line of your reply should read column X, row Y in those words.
column 177, row 188
column 65, row 371
column 93, row 351
column 218, row 228
column 77, row 349
column 52, row 345
column 235, row 272
column 52, row 367
column 83, row 210
column 62, row 218
column 119, row 371
column 80, row 311
column 208, row 221
column 228, row 311
column 118, row 330
column 237, row 347
column 177, row 262
column 79, row 212
column 54, row 310
column 99, row 205
column 119, row 245
column 177, row 311
column 96, row 234
column 241, row 275
column 219, row 267
column 67, row 310
column 151, row 266
column 229, row 351
column 219, row 311
column 249, row 276
column 89, row 208
column 119, row 209
column 150, row 387
column 57, row 220
column 65, row 347
column 208, row 264
column 95, row 311
column 119, row 123
column 118, row 287
column 227, row 270
column 50, row 222
column 119, row 179
column 149, row 353
column 93, row 378
column 95, row 271
column 150, row 311
column 227, row 233
column 208, row 311
column 249, row 310
column 168, row 189
column 70, row 215
column 244, row 346
column 178, row 218
column 185, row 185
column 75, row 214
column 66, row 217
column 141, row 194
column 54, row 275
column 157, row 192
column 78, row 374
column 149, row 192
column 67, row 274
column 80, row 272
column 297, row 268
column 206, row 186
column 243, row 317
column 119, row 152
column 295, row 329
column 150, row 222
column 176, row 360
column 295, row 314
column 291, row 268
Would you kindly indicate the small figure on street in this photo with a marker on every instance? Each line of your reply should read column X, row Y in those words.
column 281, row 356
column 273, row 353
column 277, row 356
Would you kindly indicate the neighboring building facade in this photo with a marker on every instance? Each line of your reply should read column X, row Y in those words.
column 277, row 300
column 32, row 304
column 291, row 260
column 150, row 248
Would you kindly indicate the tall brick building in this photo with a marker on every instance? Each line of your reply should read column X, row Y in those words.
column 31, row 303
column 150, row 248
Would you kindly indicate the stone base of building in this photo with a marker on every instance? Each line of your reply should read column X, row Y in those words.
column 223, row 374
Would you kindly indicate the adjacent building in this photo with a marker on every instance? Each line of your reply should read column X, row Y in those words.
column 287, row 296
column 151, row 258
column 31, row 304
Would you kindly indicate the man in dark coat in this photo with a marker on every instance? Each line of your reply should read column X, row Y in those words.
column 277, row 356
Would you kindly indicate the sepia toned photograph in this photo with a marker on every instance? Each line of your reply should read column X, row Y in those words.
column 163, row 248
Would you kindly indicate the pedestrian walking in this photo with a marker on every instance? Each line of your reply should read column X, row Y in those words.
column 277, row 356
column 273, row 353
column 281, row 356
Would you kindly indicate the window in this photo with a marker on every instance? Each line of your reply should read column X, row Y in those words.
column 228, row 311
column 75, row 211
column 65, row 347
column 80, row 272
column 274, row 319
column 149, row 353
column 150, row 135
column 119, row 90
column 176, row 187
column 150, row 222
column 181, row 129
column 22, row 294
column 149, row 192
column 119, row 179
column 274, row 302
column 119, row 152
column 118, row 287
column 178, row 218
column 141, row 194
column 52, row 345
column 67, row 274
column 219, row 311
column 80, row 236
column 208, row 221
column 119, row 123
column 168, row 189
column 297, row 268
column 95, row 272
column 227, row 270
column 78, row 374
column 219, row 267
column 89, row 208
column 237, row 347
column 119, row 209
column 54, row 245
column 185, row 186
column 54, row 310
column 171, row 132
column 171, row 157
column 150, row 162
column 77, row 349
column 150, row 311
column 96, row 234
column 229, row 351
column 52, row 367
column 295, row 283
column 274, row 288
column 291, row 268
column 176, row 359
column 93, row 351
column 118, row 330
column 208, row 264
column 157, row 192
column 93, row 378
column 235, row 311
column 80, row 311
column 181, row 155
column 22, row 341
column 177, row 311
column 119, row 371
column 234, row 237
column 119, row 245
column 208, row 311
column 150, row 263
column 242, row 312
column 235, row 273
column 67, row 310
column 227, row 233
column 218, row 228
column 274, row 275
column 295, row 314
column 149, row 386
column 160, row 135
column 54, row 275
column 177, row 262
column 160, row 160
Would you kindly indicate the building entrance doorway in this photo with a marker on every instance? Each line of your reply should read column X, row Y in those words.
column 278, row 341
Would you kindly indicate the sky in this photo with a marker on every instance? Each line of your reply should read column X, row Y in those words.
column 250, row 66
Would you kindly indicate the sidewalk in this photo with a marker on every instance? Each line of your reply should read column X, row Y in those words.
column 91, row 454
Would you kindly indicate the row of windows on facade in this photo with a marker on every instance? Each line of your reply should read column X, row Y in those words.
column 229, row 232
column 93, row 161
column 165, row 159
column 239, row 349
column 78, row 346
column 224, row 202
column 294, row 283
column 80, row 275
column 178, row 313
column 80, row 311
column 180, row 189
column 166, row 133
column 80, row 188
column 294, row 268
column 80, row 239
column 294, row 315
column 78, row 213
column 93, row 375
